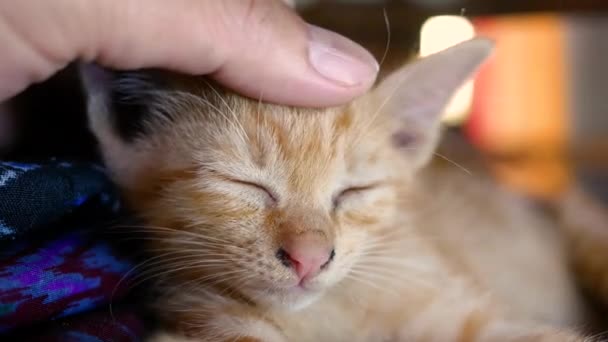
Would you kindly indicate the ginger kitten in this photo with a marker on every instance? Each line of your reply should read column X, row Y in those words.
column 270, row 223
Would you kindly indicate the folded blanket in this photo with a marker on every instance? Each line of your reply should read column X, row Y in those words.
column 58, row 274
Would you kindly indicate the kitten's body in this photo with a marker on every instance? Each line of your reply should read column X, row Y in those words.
column 227, row 185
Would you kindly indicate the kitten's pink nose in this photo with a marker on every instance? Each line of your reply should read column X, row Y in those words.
column 306, row 258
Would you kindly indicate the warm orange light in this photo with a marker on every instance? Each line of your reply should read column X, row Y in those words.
column 521, row 102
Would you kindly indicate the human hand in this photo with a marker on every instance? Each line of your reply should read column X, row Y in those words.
column 258, row 48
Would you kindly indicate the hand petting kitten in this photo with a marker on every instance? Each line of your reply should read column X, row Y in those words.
column 258, row 48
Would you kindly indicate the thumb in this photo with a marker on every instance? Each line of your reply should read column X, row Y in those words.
column 259, row 48
column 284, row 59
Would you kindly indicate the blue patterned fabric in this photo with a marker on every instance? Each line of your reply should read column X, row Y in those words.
column 34, row 195
column 55, row 266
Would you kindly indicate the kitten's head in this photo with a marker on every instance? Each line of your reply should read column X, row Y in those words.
column 277, row 204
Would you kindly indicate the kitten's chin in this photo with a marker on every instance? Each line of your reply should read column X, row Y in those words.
column 292, row 299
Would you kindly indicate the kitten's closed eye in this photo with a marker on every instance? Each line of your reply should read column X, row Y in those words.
column 272, row 198
column 351, row 191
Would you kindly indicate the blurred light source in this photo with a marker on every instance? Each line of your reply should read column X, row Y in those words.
column 439, row 33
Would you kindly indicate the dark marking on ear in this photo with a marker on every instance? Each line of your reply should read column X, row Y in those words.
column 131, row 102
column 127, row 99
column 127, row 118
column 403, row 139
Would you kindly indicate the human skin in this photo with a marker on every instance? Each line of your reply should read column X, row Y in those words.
column 262, row 48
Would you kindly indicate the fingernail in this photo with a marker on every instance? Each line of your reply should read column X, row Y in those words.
column 340, row 59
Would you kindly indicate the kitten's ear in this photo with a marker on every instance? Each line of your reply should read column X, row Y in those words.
column 415, row 95
column 117, row 105
column 96, row 81
column 122, row 99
